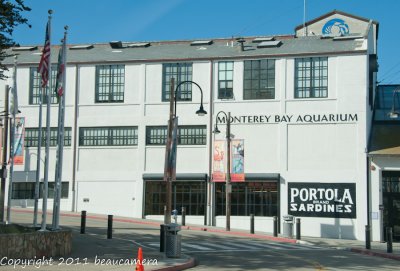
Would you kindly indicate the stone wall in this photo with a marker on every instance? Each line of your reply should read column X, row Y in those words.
column 39, row 244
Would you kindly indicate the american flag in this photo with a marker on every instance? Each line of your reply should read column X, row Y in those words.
column 45, row 60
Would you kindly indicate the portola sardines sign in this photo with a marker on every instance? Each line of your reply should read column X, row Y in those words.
column 336, row 200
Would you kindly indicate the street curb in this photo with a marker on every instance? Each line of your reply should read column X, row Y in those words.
column 375, row 253
column 189, row 264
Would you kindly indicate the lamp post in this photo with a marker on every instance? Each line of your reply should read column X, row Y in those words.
column 170, row 153
column 228, row 186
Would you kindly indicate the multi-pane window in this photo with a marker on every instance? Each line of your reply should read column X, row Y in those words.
column 27, row 190
column 110, row 83
column 35, row 87
column 258, row 198
column 187, row 135
column 181, row 72
column 225, row 80
column 311, row 77
column 108, row 136
column 259, row 79
column 191, row 195
column 32, row 136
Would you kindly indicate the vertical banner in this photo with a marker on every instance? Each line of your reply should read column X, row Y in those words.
column 19, row 138
column 219, row 161
column 237, row 160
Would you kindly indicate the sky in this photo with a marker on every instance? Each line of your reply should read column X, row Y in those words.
column 101, row 21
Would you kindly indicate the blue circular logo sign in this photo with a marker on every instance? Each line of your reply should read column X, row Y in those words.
column 335, row 27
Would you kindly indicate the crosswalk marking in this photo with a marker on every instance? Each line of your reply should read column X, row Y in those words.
column 202, row 246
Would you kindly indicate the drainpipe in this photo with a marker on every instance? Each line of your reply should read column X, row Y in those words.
column 210, row 151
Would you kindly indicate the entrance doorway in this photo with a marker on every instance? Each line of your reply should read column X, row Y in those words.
column 391, row 202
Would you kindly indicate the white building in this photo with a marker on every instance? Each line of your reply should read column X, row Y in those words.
column 302, row 106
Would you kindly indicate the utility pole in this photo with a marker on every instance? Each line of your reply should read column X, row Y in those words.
column 228, row 186
column 4, row 165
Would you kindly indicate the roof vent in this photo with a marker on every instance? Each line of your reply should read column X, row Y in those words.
column 241, row 41
column 138, row 45
column 116, row 44
column 24, row 48
column 81, row 47
column 269, row 44
column 262, row 39
column 201, row 42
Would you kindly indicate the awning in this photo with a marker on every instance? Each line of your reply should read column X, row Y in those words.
column 262, row 177
column 385, row 139
column 179, row 176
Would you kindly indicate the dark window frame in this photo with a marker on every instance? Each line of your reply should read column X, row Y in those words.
column 108, row 136
column 311, row 81
column 224, row 91
column 110, row 84
column 28, row 191
column 182, row 71
column 35, row 84
column 259, row 79
column 32, row 140
column 187, row 135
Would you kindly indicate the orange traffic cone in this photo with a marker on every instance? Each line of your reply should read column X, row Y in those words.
column 139, row 262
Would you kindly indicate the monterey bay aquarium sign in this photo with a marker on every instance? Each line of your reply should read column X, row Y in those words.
column 337, row 200
column 305, row 118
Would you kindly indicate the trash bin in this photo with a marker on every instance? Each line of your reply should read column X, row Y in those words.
column 173, row 241
column 288, row 226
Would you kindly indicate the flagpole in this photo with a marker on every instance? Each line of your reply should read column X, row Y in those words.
column 38, row 160
column 60, row 135
column 46, row 163
column 13, row 112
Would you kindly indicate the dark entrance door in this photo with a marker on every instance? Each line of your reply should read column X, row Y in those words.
column 391, row 202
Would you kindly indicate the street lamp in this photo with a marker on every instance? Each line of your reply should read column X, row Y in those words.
column 228, row 186
column 170, row 154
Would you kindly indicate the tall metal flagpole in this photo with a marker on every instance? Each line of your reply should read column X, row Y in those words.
column 4, row 155
column 60, row 137
column 13, row 113
column 46, row 162
column 38, row 161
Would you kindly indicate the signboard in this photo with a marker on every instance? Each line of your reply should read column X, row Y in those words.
column 337, row 200
column 19, row 138
column 237, row 161
column 219, row 161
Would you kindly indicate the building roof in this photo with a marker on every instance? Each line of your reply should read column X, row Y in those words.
column 385, row 139
column 186, row 51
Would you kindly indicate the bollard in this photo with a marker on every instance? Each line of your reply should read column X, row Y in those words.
column 252, row 223
column 389, row 238
column 110, row 225
column 298, row 229
column 162, row 237
column 275, row 226
column 83, row 222
column 367, row 237
column 183, row 216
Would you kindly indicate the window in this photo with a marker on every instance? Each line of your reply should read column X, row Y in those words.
column 259, row 79
column 27, row 190
column 181, row 72
column 108, row 136
column 191, row 195
column 187, row 135
column 258, row 198
column 35, row 83
column 110, row 81
column 32, row 136
column 225, row 80
column 311, row 77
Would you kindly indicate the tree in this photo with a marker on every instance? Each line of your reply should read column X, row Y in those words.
column 10, row 17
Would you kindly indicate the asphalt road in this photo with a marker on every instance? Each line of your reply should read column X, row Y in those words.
column 216, row 251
